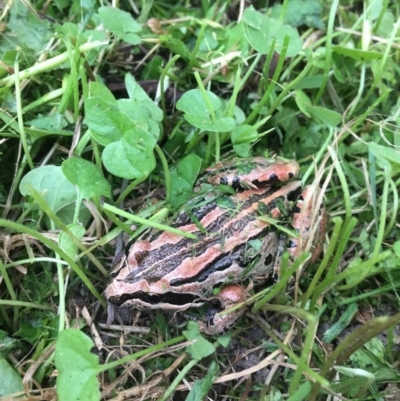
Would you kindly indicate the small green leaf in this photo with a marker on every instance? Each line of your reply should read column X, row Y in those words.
column 301, row 393
column 343, row 321
column 134, row 110
column 65, row 242
column 310, row 82
column 32, row 328
column 77, row 367
column 384, row 152
column 176, row 46
column 97, row 89
column 303, row 102
column 244, row 133
column 243, row 149
column 300, row 12
column 201, row 348
column 262, row 31
column 242, row 137
column 183, row 178
column 198, row 111
column 53, row 122
column 10, row 379
column 364, row 359
column 51, row 184
column 357, row 54
column 225, row 339
column 361, row 380
column 132, row 156
column 38, row 133
column 377, row 348
column 386, row 25
column 121, row 24
column 7, row 344
column 224, row 124
column 140, row 110
column 201, row 387
column 135, row 91
column 87, row 177
column 329, row 117
column 192, row 102
column 33, row 32
column 106, row 122
column 137, row 94
column 108, row 119
column 396, row 248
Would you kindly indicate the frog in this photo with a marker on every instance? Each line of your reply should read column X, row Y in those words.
column 166, row 271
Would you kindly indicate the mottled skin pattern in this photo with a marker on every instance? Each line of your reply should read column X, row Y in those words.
column 171, row 272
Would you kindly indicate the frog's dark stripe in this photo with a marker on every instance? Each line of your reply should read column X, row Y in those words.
column 235, row 182
column 169, row 297
column 156, row 269
column 199, row 209
column 222, row 262
column 184, row 219
column 167, row 258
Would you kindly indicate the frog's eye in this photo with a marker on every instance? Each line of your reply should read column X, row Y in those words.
column 268, row 259
column 273, row 179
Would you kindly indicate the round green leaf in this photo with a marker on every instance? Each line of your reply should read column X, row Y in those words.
column 51, row 184
column 242, row 137
column 105, row 120
column 77, row 367
column 121, row 24
column 262, row 31
column 192, row 102
column 87, row 177
column 132, row 156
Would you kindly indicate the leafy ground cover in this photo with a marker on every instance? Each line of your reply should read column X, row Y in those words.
column 108, row 115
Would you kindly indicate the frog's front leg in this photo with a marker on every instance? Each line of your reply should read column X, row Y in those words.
column 229, row 296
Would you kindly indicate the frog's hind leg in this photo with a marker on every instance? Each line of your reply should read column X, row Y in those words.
column 309, row 221
column 282, row 247
column 218, row 322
